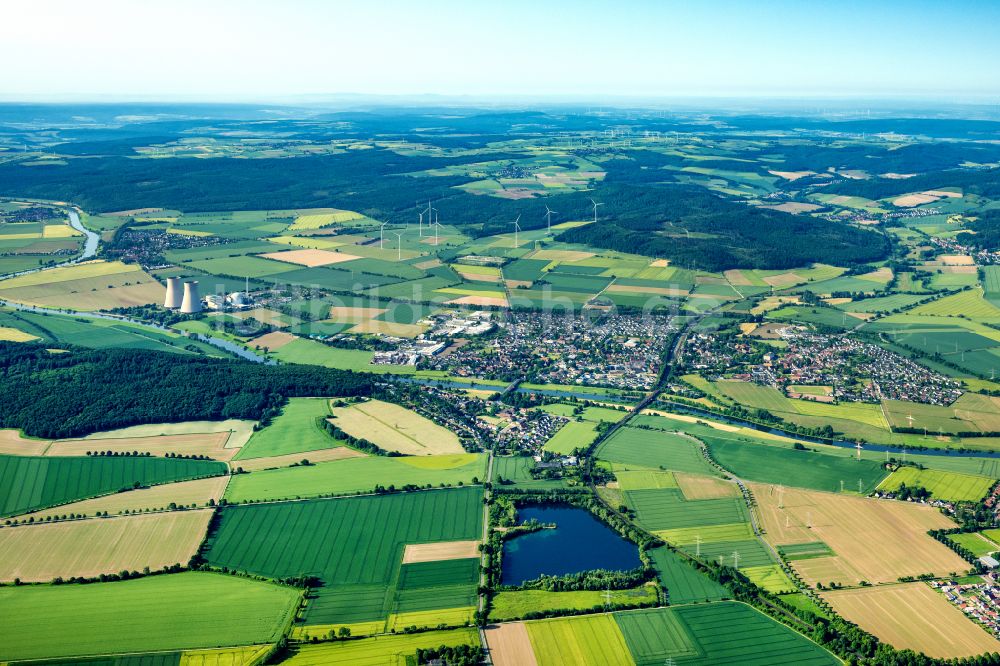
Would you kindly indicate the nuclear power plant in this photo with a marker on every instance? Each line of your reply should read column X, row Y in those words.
column 173, row 300
column 192, row 301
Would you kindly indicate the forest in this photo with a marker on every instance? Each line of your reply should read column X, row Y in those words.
column 80, row 391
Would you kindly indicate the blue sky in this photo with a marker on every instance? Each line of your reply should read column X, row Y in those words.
column 252, row 49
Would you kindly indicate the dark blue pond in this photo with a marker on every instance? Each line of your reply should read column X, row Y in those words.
column 580, row 542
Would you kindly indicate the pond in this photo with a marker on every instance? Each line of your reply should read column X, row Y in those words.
column 580, row 542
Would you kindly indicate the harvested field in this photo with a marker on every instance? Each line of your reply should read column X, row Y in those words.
column 913, row 616
column 479, row 300
column 561, row 255
column 354, row 315
column 88, row 548
column 790, row 175
column 395, row 428
column 442, row 550
column 795, row 207
column 273, row 341
column 211, row 444
column 698, row 487
column 911, row 200
column 388, row 328
column 310, row 258
column 956, row 260
column 12, row 443
column 873, row 540
column 318, row 456
column 510, row 645
column 239, row 430
column 181, row 493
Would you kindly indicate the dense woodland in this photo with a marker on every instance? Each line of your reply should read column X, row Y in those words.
column 84, row 391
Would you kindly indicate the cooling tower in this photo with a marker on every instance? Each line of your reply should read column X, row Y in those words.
column 191, row 302
column 173, row 300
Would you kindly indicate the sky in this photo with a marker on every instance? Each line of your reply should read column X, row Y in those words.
column 255, row 50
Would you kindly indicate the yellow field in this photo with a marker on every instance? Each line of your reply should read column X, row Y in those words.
column 561, row 255
column 510, row 645
column 306, row 241
column 100, row 545
column 8, row 334
column 873, row 540
column 81, row 271
column 182, row 493
column 771, row 578
column 211, row 444
column 913, row 616
column 499, row 302
column 395, row 428
column 59, row 231
column 353, row 315
column 452, row 617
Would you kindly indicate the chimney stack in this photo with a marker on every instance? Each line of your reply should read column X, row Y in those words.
column 191, row 302
column 173, row 300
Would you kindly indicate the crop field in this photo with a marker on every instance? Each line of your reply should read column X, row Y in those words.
column 683, row 582
column 29, row 483
column 359, row 553
column 644, row 448
column 517, row 603
column 588, row 640
column 510, row 645
column 237, row 656
column 950, row 486
column 573, row 435
column 721, row 633
column 355, row 475
column 873, row 540
column 975, row 542
column 645, row 479
column 179, row 611
column 395, row 428
column 700, row 487
column 197, row 492
column 211, row 444
column 297, row 429
column 770, row 577
column 933, row 418
column 88, row 548
column 913, row 616
column 966, row 303
column 667, row 509
column 387, row 650
column 88, row 286
column 239, row 430
column 805, row 469
column 686, row 536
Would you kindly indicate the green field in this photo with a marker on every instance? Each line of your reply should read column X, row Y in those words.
column 800, row 469
column 29, row 483
column 684, row 583
column 356, row 475
column 177, row 611
column 516, row 469
column 949, row 486
column 297, row 429
column 508, row 605
column 720, row 633
column 354, row 545
column 387, row 650
column 574, row 435
column 664, row 509
column 645, row 448
column 977, row 543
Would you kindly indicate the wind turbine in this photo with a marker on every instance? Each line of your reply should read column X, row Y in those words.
column 399, row 244
column 595, row 209
column 381, row 236
column 437, row 225
column 548, row 218
column 517, row 227
column 429, row 210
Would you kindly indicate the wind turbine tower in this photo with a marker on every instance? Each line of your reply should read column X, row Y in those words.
column 595, row 209
column 548, row 218
column 381, row 236
column 399, row 245
column 517, row 228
